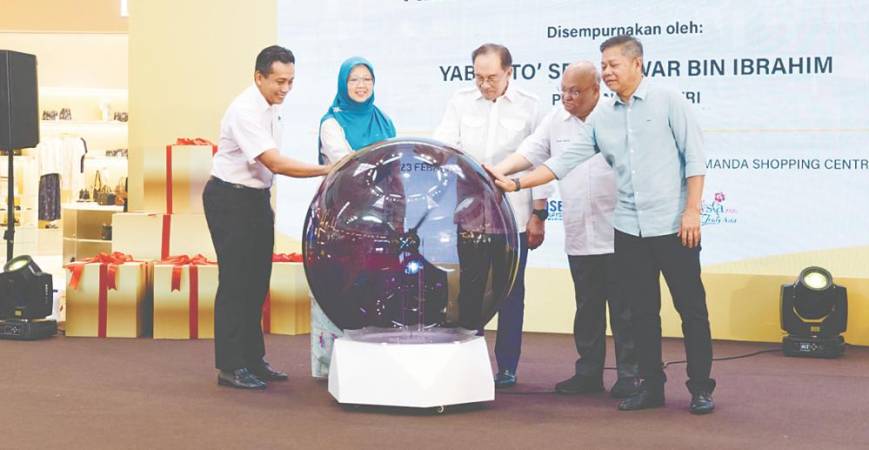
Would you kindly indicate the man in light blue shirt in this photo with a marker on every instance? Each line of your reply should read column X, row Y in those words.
column 651, row 139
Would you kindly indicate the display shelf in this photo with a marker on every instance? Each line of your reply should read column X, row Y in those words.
column 91, row 206
column 83, row 228
column 93, row 241
column 111, row 124
column 92, row 111
column 60, row 91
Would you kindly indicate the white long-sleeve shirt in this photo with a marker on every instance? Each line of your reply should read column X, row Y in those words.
column 588, row 192
column 334, row 145
column 491, row 131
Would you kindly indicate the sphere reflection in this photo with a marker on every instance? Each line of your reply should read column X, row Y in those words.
column 409, row 233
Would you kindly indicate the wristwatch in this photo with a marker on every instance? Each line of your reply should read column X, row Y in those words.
column 516, row 182
column 541, row 214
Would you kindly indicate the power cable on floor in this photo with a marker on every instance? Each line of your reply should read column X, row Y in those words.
column 665, row 365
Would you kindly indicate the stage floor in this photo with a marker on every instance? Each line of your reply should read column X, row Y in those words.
column 113, row 393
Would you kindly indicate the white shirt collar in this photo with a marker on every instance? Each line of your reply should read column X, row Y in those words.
column 509, row 93
column 257, row 97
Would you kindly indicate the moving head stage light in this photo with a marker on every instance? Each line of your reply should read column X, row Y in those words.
column 814, row 311
column 26, row 296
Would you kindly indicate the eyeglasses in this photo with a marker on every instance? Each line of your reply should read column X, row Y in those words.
column 573, row 93
column 357, row 81
column 491, row 79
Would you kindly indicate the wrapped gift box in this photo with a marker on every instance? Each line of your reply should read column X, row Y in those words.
column 106, row 298
column 188, row 168
column 287, row 309
column 155, row 236
column 184, row 292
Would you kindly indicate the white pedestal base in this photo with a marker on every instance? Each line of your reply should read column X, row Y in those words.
column 411, row 375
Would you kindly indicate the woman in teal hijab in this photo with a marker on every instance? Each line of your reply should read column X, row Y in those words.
column 350, row 124
column 353, row 121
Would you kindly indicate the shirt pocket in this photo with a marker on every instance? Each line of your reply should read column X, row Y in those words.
column 472, row 125
column 473, row 133
column 512, row 132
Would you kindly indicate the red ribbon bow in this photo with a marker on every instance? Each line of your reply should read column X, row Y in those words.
column 193, row 141
column 178, row 262
column 108, row 280
column 104, row 259
column 287, row 257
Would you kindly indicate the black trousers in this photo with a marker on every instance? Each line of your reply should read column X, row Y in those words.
column 595, row 285
column 477, row 255
column 640, row 262
column 241, row 222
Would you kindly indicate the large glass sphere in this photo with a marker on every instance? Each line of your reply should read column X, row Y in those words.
column 410, row 234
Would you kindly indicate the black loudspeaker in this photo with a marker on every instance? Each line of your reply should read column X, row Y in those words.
column 19, row 101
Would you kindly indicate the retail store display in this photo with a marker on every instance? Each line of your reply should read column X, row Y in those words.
column 60, row 164
column 49, row 197
column 83, row 230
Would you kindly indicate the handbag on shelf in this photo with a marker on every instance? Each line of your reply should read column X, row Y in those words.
column 98, row 185
column 121, row 191
column 103, row 195
column 106, row 232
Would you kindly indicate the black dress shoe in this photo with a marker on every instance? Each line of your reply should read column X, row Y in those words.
column 579, row 384
column 701, row 403
column 265, row 372
column 505, row 379
column 625, row 387
column 645, row 398
column 239, row 378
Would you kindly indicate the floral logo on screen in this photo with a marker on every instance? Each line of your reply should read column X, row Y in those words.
column 715, row 212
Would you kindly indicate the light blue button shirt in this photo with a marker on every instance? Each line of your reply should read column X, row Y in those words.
column 654, row 143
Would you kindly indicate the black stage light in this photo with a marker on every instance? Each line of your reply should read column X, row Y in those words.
column 26, row 296
column 814, row 313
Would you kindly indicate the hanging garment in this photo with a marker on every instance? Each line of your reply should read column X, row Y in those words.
column 71, row 175
column 49, row 156
column 49, row 197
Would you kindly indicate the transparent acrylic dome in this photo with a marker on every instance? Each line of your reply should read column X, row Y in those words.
column 410, row 234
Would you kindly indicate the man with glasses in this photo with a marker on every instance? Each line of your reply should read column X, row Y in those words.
column 489, row 121
column 588, row 193
column 650, row 136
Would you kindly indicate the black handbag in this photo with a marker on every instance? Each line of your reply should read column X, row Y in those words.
column 103, row 195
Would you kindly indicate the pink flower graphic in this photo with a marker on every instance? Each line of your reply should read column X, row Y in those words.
column 719, row 197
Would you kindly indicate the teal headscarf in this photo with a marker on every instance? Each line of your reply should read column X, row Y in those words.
column 363, row 123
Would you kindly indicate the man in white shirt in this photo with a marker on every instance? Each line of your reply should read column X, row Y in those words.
column 241, row 220
column 489, row 121
column 589, row 196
